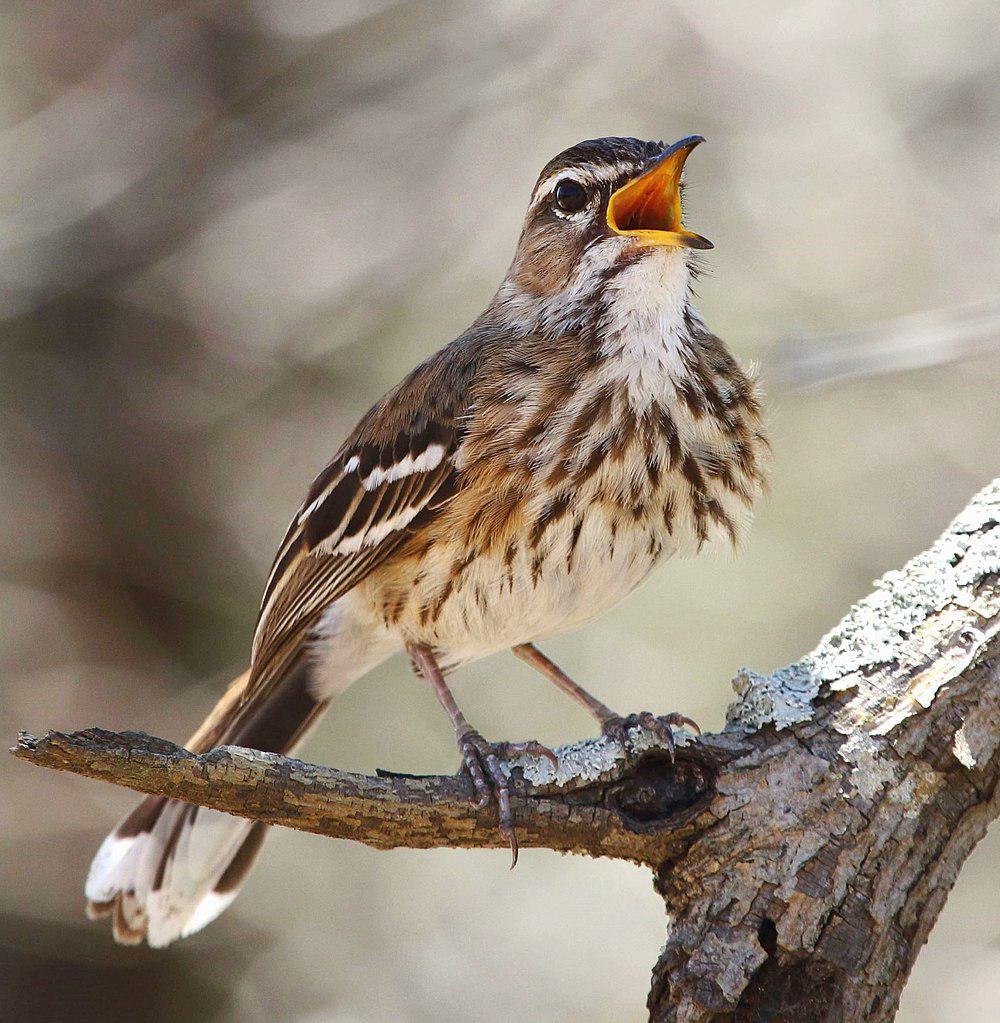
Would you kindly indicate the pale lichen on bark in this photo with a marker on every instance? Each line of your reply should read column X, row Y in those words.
column 591, row 760
column 857, row 823
column 878, row 629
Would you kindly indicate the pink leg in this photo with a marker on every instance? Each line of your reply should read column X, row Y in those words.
column 612, row 724
column 480, row 758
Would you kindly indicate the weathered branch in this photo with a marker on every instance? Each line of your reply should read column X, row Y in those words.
column 603, row 806
column 804, row 853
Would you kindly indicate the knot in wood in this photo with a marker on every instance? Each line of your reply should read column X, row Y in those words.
column 659, row 791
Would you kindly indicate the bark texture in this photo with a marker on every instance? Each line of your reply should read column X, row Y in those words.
column 803, row 853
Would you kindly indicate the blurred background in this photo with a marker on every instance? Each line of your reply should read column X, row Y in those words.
column 228, row 227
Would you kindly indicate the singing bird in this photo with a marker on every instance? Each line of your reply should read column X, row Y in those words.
column 520, row 482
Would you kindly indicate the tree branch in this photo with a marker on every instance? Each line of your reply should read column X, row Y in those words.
column 602, row 805
column 804, row 852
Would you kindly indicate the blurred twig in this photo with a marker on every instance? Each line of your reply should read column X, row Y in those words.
column 803, row 854
column 928, row 338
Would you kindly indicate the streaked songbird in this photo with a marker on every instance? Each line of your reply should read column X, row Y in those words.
column 520, row 482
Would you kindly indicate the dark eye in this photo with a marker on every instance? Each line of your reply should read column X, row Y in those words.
column 569, row 196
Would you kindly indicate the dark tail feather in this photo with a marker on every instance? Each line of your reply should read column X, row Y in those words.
column 170, row 868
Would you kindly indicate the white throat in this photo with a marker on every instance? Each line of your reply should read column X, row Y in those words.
column 644, row 329
column 646, row 336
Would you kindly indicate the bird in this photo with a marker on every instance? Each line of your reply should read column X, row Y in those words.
column 518, row 483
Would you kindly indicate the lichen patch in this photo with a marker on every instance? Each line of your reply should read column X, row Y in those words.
column 877, row 630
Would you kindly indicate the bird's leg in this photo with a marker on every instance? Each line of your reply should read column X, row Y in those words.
column 530, row 654
column 612, row 725
column 482, row 759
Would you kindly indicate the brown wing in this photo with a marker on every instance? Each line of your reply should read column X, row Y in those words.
column 338, row 537
column 398, row 464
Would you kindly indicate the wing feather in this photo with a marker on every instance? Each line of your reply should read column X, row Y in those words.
column 341, row 533
column 396, row 469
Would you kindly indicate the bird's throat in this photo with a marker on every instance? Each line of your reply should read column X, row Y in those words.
column 645, row 334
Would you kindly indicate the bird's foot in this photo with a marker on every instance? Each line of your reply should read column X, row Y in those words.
column 662, row 726
column 484, row 762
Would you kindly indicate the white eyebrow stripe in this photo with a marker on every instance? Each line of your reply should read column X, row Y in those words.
column 584, row 175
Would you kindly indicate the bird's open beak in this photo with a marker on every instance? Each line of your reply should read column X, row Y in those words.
column 648, row 208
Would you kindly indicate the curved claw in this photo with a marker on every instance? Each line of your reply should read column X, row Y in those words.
column 617, row 727
column 482, row 760
column 530, row 747
column 682, row 721
column 660, row 728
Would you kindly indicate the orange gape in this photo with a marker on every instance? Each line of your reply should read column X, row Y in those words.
column 648, row 208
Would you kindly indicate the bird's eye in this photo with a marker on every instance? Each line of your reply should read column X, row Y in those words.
column 569, row 196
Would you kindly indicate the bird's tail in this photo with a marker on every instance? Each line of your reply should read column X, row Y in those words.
column 170, row 867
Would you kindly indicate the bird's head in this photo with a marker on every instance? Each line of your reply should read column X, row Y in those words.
column 602, row 204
